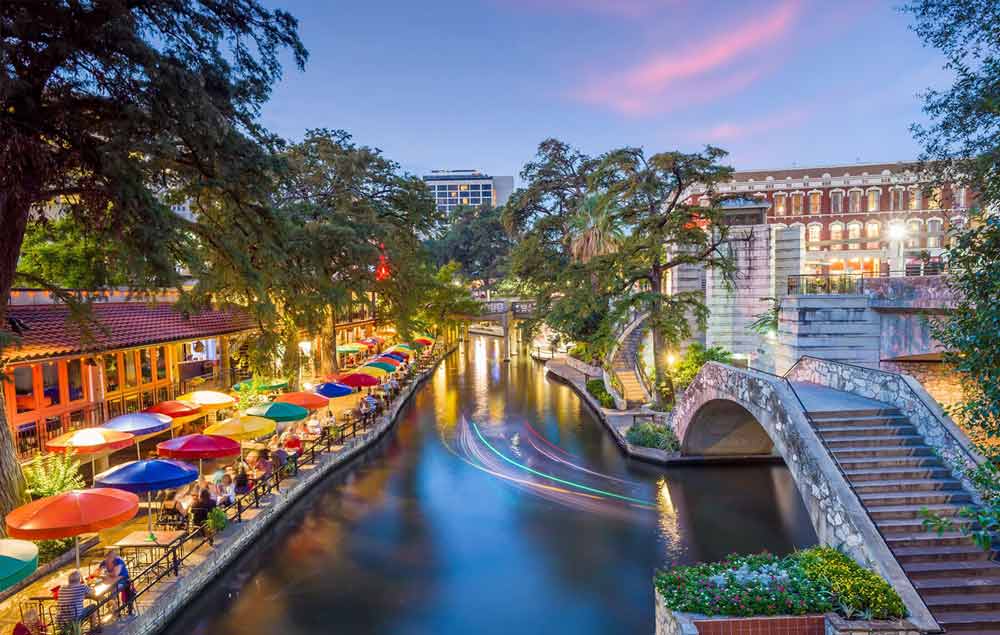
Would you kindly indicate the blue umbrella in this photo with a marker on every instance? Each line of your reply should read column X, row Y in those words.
column 139, row 424
column 147, row 476
column 18, row 560
column 331, row 390
column 395, row 356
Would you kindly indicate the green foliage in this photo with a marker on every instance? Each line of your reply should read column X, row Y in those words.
column 653, row 435
column 767, row 322
column 250, row 393
column 815, row 580
column 694, row 358
column 52, row 473
column 586, row 353
column 983, row 520
column 597, row 390
column 49, row 550
column 216, row 519
column 475, row 238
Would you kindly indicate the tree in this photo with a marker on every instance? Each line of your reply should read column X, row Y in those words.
column 112, row 111
column 475, row 238
column 962, row 145
column 594, row 230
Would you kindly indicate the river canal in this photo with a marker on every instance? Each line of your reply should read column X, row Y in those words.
column 498, row 504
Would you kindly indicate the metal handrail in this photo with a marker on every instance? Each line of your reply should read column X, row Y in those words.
column 640, row 372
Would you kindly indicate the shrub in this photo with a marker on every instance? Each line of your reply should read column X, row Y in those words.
column 51, row 474
column 653, row 435
column 216, row 519
column 816, row 580
column 694, row 358
column 597, row 390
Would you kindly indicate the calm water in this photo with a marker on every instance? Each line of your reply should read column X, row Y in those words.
column 498, row 504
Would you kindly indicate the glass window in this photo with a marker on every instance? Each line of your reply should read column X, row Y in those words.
column 111, row 380
column 814, row 236
column 779, row 204
column 934, row 233
column 854, row 231
column 463, row 188
column 465, row 201
column 896, row 199
column 161, row 362
column 874, row 200
column 855, row 202
column 836, row 202
column 24, row 388
column 836, row 233
column 796, row 204
column 815, row 203
column 50, row 384
column 74, row 377
column 146, row 365
column 131, row 377
column 913, row 234
column 914, row 202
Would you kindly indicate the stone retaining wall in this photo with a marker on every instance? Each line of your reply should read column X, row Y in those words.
column 238, row 537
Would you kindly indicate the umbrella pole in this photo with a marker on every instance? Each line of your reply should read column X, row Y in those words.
column 138, row 453
column 199, row 466
column 76, row 541
column 149, row 514
column 93, row 481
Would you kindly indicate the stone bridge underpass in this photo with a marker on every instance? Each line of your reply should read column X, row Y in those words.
column 867, row 449
column 505, row 312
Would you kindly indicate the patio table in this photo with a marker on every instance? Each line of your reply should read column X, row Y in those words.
column 146, row 552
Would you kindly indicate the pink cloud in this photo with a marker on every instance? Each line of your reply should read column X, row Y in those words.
column 653, row 85
column 731, row 131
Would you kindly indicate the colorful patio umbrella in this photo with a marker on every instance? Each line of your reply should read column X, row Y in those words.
column 92, row 441
column 18, row 560
column 366, row 345
column 423, row 339
column 307, row 400
column 72, row 513
column 399, row 356
column 279, row 411
column 263, row 384
column 199, row 446
column 146, row 477
column 371, row 370
column 243, row 428
column 208, row 399
column 140, row 425
column 351, row 348
column 385, row 359
column 332, row 390
column 387, row 367
column 175, row 409
column 405, row 347
column 358, row 380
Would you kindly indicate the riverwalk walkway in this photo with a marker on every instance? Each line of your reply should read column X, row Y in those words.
column 197, row 561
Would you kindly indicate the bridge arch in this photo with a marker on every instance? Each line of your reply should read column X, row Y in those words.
column 723, row 427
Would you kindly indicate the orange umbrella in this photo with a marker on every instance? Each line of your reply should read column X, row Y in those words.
column 307, row 400
column 92, row 441
column 72, row 513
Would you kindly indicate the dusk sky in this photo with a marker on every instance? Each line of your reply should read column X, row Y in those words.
column 478, row 83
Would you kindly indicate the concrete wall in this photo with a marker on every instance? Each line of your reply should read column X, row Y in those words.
column 733, row 308
column 837, row 327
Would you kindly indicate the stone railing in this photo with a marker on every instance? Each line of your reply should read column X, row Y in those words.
column 586, row 369
column 906, row 394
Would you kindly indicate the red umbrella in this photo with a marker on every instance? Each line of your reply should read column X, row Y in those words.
column 388, row 360
column 71, row 514
column 198, row 446
column 175, row 409
column 358, row 380
column 307, row 400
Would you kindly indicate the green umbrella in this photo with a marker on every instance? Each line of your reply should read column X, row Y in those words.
column 405, row 347
column 264, row 384
column 18, row 560
column 350, row 348
column 389, row 368
column 279, row 411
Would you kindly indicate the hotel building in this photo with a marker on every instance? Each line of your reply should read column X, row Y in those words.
column 471, row 188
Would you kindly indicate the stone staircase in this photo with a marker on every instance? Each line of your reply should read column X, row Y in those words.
column 623, row 367
column 896, row 475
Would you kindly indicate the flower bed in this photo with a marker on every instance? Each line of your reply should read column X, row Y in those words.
column 816, row 580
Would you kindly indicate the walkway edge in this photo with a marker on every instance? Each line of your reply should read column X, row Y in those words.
column 183, row 590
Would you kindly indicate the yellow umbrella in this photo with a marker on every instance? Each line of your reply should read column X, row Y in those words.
column 374, row 371
column 208, row 399
column 243, row 428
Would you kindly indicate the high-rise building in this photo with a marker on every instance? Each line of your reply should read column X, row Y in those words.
column 472, row 188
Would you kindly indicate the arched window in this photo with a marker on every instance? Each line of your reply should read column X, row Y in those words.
column 874, row 200
column 815, row 202
column 779, row 203
column 854, row 205
column 854, row 231
column 896, row 196
column 836, row 233
column 872, row 230
column 837, row 202
column 933, row 233
column 797, row 203
column 914, row 198
column 914, row 229
column 814, row 234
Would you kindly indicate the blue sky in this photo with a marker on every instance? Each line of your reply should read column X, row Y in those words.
column 478, row 83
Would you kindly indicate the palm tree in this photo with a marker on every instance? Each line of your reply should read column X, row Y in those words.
column 595, row 230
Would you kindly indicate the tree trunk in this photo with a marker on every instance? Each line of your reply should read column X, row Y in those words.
column 325, row 347
column 664, row 385
column 14, row 220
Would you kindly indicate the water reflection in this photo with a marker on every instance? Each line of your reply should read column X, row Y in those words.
column 497, row 504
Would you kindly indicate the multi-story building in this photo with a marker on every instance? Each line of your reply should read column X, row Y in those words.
column 457, row 188
column 863, row 218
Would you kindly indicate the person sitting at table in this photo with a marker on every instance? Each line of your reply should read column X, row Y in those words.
column 227, row 490
column 291, row 441
column 250, row 463
column 184, row 498
column 277, row 451
column 314, row 427
column 114, row 573
column 265, row 466
column 70, row 600
column 30, row 624
column 241, row 482
column 200, row 510
column 206, row 484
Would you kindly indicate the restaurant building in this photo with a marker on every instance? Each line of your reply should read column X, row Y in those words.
column 61, row 374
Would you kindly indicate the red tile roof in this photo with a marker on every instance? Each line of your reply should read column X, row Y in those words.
column 49, row 331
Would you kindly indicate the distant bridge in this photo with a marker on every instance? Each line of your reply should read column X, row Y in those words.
column 504, row 311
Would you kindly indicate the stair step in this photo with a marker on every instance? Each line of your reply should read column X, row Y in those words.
column 914, row 498
column 974, row 600
column 892, row 527
column 889, row 473
column 862, row 452
column 902, row 512
column 948, row 553
column 927, row 539
column 907, row 440
column 976, row 621
column 866, row 431
column 929, row 587
column 878, row 462
column 860, row 421
column 907, row 485
column 955, row 569
column 857, row 413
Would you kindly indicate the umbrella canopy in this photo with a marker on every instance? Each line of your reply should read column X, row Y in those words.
column 243, row 428
column 333, row 390
column 18, row 560
column 198, row 446
column 208, row 399
column 90, row 441
column 175, row 409
column 147, row 476
column 139, row 423
column 423, row 339
column 307, row 400
column 372, row 340
column 385, row 359
column 351, row 348
column 405, row 347
column 279, row 411
column 399, row 356
column 387, row 367
column 263, row 384
column 72, row 513
column 366, row 345
column 371, row 370
column 358, row 380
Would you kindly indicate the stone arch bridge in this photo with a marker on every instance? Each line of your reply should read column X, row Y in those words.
column 867, row 450
column 505, row 312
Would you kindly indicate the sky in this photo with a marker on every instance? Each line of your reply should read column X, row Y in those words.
column 477, row 84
